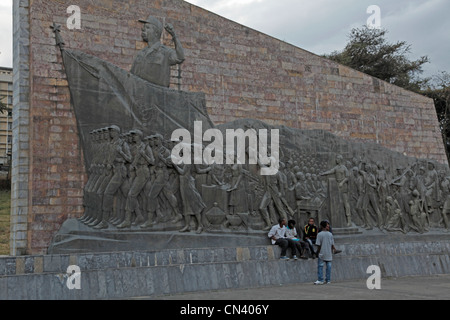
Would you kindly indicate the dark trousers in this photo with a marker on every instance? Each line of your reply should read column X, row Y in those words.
column 284, row 244
column 301, row 247
column 310, row 243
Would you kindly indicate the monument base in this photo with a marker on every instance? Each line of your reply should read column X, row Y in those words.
column 154, row 273
column 76, row 237
column 347, row 231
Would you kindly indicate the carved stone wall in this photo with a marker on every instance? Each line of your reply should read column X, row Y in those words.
column 243, row 73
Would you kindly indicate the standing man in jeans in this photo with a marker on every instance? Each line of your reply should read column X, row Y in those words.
column 325, row 244
column 278, row 236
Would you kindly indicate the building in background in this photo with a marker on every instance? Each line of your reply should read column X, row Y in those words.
column 6, row 97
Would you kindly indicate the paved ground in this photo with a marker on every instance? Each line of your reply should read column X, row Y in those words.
column 409, row 288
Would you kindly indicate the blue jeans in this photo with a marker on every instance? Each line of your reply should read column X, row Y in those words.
column 320, row 265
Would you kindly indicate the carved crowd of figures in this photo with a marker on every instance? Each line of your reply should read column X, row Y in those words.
column 126, row 167
column 133, row 182
column 413, row 198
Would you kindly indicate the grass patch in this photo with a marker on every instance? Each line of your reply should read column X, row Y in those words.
column 5, row 210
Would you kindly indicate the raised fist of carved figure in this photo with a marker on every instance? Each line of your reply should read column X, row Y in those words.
column 169, row 29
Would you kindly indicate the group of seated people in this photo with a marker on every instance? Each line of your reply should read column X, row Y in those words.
column 285, row 235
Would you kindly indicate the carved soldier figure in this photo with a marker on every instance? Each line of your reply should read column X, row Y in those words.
column 419, row 216
column 266, row 206
column 370, row 197
column 290, row 175
column 319, row 187
column 160, row 184
column 302, row 196
column 382, row 185
column 421, row 187
column 359, row 191
column 174, row 181
column 193, row 204
column 105, row 175
column 341, row 174
column 400, row 187
column 283, row 182
column 142, row 158
column 432, row 187
column 119, row 155
column 445, row 187
column 236, row 191
column 91, row 181
column 127, row 139
column 153, row 63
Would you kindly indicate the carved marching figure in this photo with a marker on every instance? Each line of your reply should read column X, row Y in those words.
column 127, row 139
column 142, row 158
column 193, row 204
column 291, row 175
column 302, row 195
column 161, row 183
column 88, row 209
column 273, row 198
column 235, row 191
column 266, row 203
column 119, row 154
column 421, row 187
column 104, row 176
column 370, row 197
column 382, row 185
column 418, row 213
column 432, row 187
column 359, row 191
column 341, row 174
column 282, row 203
column 445, row 185
column 400, row 188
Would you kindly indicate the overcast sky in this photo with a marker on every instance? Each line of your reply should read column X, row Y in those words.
column 319, row 26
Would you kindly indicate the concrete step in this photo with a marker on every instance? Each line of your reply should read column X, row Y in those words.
column 347, row 231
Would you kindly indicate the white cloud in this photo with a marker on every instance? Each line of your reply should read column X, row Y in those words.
column 425, row 26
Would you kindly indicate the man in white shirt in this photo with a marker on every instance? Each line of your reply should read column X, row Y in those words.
column 278, row 236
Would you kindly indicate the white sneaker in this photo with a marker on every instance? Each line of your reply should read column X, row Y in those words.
column 295, row 258
column 319, row 283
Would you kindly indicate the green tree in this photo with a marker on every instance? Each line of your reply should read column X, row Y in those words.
column 369, row 51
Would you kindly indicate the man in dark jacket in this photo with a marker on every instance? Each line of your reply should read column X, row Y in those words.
column 310, row 235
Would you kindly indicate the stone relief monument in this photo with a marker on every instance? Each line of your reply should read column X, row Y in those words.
column 126, row 120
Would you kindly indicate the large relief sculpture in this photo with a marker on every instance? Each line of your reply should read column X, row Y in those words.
column 126, row 120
